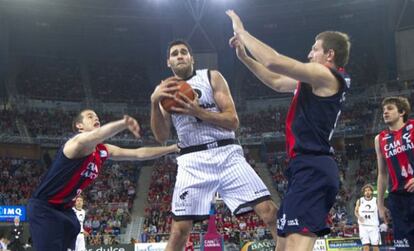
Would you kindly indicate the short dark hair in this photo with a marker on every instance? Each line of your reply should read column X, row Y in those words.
column 402, row 104
column 78, row 119
column 339, row 43
column 177, row 42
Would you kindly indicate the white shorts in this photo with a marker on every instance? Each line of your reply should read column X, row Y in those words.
column 224, row 170
column 369, row 235
column 80, row 243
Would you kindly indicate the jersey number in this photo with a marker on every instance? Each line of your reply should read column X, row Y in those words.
column 407, row 171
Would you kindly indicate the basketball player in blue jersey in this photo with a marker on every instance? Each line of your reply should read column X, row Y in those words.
column 53, row 224
column 319, row 89
column 211, row 160
column 395, row 156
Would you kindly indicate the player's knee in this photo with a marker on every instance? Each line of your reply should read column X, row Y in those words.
column 180, row 232
column 268, row 212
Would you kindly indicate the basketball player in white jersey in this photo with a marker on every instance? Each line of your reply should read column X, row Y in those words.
column 211, row 160
column 80, row 214
column 366, row 212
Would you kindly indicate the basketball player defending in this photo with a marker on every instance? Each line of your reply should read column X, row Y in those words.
column 319, row 87
column 395, row 150
column 366, row 212
column 80, row 214
column 210, row 160
column 53, row 223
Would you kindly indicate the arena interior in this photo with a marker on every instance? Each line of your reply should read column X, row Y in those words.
column 58, row 57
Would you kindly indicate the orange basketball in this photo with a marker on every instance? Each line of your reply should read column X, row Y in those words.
column 185, row 89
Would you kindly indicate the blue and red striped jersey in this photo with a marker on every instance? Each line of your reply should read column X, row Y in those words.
column 66, row 178
column 397, row 148
column 311, row 119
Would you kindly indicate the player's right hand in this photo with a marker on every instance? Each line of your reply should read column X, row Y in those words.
column 165, row 89
column 240, row 49
column 383, row 214
column 132, row 125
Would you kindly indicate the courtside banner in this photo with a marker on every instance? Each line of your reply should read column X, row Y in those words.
column 340, row 244
column 8, row 213
column 118, row 247
column 320, row 245
column 266, row 245
column 151, row 246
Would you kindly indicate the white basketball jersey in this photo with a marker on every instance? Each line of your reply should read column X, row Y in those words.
column 191, row 130
column 369, row 211
column 80, row 214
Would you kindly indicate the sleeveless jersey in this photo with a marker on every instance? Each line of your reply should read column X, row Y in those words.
column 80, row 214
column 191, row 130
column 369, row 211
column 66, row 178
column 311, row 119
column 397, row 148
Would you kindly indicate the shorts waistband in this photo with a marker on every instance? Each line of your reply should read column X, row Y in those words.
column 211, row 145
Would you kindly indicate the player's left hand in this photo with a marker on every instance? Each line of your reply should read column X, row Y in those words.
column 410, row 185
column 240, row 49
column 187, row 106
column 235, row 19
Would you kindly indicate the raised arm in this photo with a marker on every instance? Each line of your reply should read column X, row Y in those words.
column 227, row 117
column 273, row 80
column 312, row 73
column 142, row 153
column 381, row 180
column 160, row 119
column 84, row 143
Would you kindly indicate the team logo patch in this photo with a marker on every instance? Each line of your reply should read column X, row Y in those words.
column 198, row 92
column 409, row 127
column 103, row 153
column 281, row 222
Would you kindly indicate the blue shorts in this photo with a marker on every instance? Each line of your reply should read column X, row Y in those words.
column 51, row 228
column 313, row 183
column 402, row 212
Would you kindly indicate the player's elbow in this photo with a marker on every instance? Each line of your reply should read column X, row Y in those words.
column 272, row 64
column 234, row 123
column 161, row 139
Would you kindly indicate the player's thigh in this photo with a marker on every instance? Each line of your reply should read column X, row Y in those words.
column 240, row 186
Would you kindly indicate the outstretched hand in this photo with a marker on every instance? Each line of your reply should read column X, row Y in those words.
column 132, row 125
column 235, row 19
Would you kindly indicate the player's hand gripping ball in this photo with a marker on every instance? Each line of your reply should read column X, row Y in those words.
column 185, row 89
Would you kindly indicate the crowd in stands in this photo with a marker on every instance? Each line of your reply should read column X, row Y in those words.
column 18, row 177
column 50, row 79
column 8, row 122
column 119, row 82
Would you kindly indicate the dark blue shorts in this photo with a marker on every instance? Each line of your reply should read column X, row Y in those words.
column 313, row 183
column 402, row 213
column 51, row 228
